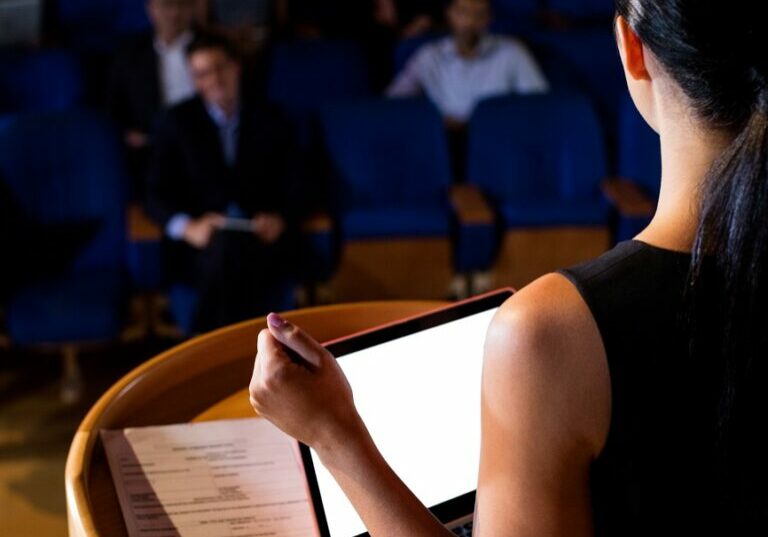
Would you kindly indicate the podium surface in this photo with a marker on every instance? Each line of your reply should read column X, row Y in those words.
column 203, row 379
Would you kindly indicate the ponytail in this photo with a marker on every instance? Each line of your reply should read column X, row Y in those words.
column 728, row 288
column 715, row 53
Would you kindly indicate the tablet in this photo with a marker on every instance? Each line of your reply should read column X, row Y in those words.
column 416, row 385
column 237, row 224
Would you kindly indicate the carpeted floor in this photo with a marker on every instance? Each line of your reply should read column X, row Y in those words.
column 36, row 430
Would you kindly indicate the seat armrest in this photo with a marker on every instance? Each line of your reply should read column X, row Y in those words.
column 628, row 198
column 317, row 224
column 141, row 228
column 471, row 206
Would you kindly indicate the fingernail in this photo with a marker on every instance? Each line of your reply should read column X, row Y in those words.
column 275, row 321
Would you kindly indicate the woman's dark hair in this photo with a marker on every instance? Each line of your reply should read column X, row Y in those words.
column 715, row 51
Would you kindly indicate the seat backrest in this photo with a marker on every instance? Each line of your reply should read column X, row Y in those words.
column 66, row 167
column 515, row 16
column 592, row 61
column 95, row 26
column 584, row 9
column 542, row 147
column 39, row 81
column 306, row 75
column 132, row 17
column 639, row 150
column 388, row 152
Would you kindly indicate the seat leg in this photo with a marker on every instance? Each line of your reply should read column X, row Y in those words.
column 460, row 287
column 72, row 377
column 159, row 326
column 140, row 319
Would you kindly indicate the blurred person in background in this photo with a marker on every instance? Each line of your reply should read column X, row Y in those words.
column 459, row 71
column 220, row 186
column 469, row 65
column 150, row 74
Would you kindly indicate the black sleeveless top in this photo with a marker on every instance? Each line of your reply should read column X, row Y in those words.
column 659, row 473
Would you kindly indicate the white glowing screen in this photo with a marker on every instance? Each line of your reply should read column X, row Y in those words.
column 419, row 396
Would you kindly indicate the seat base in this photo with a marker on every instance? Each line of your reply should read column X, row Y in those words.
column 383, row 269
column 527, row 254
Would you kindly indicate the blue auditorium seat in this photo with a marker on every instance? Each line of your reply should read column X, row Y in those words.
column 394, row 177
column 48, row 80
column 306, row 75
column 393, row 167
column 639, row 164
column 132, row 17
column 515, row 16
column 589, row 61
column 65, row 168
column 95, row 26
column 540, row 160
column 584, row 9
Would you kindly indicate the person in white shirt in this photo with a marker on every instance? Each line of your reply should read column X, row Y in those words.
column 459, row 71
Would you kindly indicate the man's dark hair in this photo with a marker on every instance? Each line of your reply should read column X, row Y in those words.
column 211, row 41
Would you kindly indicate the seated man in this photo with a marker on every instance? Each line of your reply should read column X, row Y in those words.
column 150, row 73
column 219, row 186
column 470, row 65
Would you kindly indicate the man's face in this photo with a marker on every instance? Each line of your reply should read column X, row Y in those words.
column 216, row 76
column 469, row 19
column 171, row 18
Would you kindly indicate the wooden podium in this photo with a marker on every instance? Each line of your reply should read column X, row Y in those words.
column 203, row 379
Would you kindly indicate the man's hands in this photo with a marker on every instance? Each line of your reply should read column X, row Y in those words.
column 269, row 227
column 311, row 400
column 199, row 231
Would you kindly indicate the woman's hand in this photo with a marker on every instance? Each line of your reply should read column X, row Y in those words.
column 308, row 399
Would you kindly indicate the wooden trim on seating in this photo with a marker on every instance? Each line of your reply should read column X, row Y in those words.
column 141, row 228
column 318, row 223
column 527, row 254
column 471, row 206
column 628, row 198
column 419, row 268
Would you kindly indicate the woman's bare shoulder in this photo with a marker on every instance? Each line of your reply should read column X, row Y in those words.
column 545, row 339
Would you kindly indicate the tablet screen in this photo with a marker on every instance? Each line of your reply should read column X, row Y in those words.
column 419, row 396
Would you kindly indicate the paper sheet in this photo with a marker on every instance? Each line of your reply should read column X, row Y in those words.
column 235, row 478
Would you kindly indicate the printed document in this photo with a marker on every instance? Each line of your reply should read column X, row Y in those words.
column 234, row 478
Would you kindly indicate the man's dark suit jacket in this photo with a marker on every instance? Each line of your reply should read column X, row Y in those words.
column 234, row 275
column 189, row 173
column 134, row 96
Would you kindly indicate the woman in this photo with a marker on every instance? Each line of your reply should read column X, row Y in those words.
column 623, row 396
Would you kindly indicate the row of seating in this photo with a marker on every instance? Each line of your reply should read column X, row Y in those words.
column 534, row 162
column 304, row 76
column 97, row 25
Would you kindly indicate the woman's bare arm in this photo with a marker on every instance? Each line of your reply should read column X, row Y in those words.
column 545, row 414
column 544, row 418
